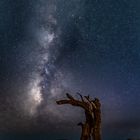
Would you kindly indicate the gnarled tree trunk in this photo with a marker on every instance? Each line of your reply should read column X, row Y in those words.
column 92, row 125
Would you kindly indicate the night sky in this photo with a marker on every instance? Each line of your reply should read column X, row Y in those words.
column 50, row 47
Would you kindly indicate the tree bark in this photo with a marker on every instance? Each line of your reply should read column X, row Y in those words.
column 85, row 135
column 96, row 133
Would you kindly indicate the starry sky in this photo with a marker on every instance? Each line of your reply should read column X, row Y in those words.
column 50, row 47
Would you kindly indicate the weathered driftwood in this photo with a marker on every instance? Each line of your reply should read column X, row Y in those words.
column 92, row 125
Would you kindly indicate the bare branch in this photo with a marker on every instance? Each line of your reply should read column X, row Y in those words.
column 69, row 96
column 73, row 102
column 81, row 97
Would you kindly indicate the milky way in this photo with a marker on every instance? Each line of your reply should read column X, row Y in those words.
column 48, row 81
column 46, row 36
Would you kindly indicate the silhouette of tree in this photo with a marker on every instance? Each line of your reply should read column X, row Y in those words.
column 92, row 125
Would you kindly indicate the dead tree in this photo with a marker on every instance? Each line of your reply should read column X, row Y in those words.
column 92, row 124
